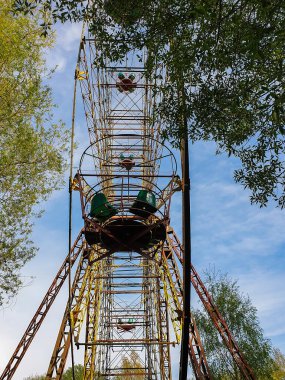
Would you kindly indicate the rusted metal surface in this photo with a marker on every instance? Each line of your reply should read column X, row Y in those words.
column 42, row 310
column 213, row 311
column 127, row 287
column 174, row 290
column 74, row 312
column 122, row 130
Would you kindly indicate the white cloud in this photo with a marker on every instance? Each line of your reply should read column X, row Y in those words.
column 267, row 291
column 224, row 220
column 68, row 36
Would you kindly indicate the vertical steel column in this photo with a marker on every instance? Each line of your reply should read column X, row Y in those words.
column 147, row 320
column 175, row 294
column 213, row 311
column 186, row 228
column 70, row 189
column 92, row 320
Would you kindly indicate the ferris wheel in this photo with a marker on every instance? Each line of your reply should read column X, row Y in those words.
column 125, row 308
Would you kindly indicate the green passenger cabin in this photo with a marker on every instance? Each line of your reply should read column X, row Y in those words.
column 145, row 204
column 101, row 208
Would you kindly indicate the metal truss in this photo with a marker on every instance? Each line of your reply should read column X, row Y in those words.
column 174, row 289
column 206, row 299
column 77, row 250
column 83, row 280
column 92, row 322
column 127, row 289
column 127, row 285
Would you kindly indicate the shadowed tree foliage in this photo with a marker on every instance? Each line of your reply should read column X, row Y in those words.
column 225, row 71
column 31, row 145
column 241, row 317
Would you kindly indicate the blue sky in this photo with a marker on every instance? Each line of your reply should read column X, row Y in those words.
column 227, row 232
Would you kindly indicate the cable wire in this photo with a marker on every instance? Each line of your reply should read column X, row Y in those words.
column 70, row 296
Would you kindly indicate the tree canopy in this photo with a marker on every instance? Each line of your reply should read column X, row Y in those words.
column 227, row 58
column 241, row 317
column 78, row 373
column 132, row 367
column 279, row 365
column 32, row 146
column 67, row 375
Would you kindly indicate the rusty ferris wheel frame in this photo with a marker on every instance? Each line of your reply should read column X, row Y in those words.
column 127, row 289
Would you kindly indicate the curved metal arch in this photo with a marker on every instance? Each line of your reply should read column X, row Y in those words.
column 89, row 196
column 140, row 137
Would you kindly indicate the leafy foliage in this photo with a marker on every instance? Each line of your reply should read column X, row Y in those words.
column 67, row 375
column 241, row 317
column 279, row 365
column 227, row 58
column 31, row 145
column 78, row 372
column 132, row 367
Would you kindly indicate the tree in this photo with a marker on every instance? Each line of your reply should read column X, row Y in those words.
column 67, row 375
column 279, row 365
column 225, row 64
column 32, row 146
column 241, row 317
column 132, row 367
column 78, row 372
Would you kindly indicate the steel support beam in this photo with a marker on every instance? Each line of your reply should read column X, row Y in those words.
column 195, row 349
column 43, row 309
column 212, row 310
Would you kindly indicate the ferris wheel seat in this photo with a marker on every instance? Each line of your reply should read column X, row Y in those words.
column 126, row 85
column 127, row 162
column 101, row 208
column 125, row 327
column 128, row 234
column 144, row 205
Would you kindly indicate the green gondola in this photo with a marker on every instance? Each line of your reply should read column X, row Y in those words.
column 144, row 205
column 101, row 208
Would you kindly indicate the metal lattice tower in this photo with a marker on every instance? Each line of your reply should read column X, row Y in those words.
column 126, row 304
column 125, row 156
